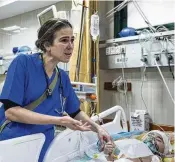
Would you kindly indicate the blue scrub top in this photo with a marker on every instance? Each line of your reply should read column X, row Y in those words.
column 26, row 82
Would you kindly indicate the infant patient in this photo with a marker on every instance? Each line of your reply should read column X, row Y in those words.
column 157, row 142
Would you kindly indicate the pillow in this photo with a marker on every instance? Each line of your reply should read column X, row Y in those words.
column 171, row 158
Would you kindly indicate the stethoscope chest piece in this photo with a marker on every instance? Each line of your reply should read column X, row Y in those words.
column 49, row 92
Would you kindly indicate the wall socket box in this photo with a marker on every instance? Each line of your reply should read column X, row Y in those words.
column 115, row 50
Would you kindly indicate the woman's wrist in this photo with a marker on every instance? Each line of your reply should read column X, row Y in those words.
column 57, row 120
column 97, row 128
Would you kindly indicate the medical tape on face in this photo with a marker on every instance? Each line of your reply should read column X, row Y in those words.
column 165, row 140
column 150, row 140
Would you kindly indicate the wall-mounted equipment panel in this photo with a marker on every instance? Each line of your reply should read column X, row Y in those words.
column 134, row 52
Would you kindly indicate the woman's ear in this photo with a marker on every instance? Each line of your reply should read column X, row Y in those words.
column 47, row 46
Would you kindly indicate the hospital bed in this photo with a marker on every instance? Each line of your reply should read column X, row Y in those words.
column 66, row 145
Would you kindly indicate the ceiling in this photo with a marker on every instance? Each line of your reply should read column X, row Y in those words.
column 9, row 8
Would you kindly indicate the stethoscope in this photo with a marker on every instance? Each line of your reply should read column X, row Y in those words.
column 49, row 91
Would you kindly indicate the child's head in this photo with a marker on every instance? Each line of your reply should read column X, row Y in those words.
column 158, row 142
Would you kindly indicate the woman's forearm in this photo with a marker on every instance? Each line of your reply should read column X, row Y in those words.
column 23, row 115
column 85, row 118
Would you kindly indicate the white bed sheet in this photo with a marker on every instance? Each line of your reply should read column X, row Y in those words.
column 74, row 143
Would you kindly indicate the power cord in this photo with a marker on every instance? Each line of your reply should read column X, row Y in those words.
column 170, row 57
column 121, row 82
column 165, row 82
column 125, row 81
column 143, row 74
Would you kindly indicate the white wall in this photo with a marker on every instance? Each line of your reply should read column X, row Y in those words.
column 26, row 37
column 157, row 12
column 106, row 24
column 155, row 95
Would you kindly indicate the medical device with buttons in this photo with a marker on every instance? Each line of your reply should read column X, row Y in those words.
column 136, row 51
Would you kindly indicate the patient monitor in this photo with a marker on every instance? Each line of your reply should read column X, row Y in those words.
column 47, row 14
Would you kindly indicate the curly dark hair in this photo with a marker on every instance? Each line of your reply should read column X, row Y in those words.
column 46, row 33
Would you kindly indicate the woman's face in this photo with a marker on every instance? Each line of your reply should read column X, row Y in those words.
column 63, row 44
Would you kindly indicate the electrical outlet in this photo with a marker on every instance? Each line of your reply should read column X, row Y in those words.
column 144, row 58
column 170, row 58
column 123, row 49
column 157, row 57
column 118, row 50
column 112, row 50
column 108, row 51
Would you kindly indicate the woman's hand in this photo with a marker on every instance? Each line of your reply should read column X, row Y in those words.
column 104, row 137
column 74, row 124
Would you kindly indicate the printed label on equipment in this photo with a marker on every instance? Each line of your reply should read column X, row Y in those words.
column 120, row 60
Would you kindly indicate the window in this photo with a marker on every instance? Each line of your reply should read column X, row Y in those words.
column 120, row 19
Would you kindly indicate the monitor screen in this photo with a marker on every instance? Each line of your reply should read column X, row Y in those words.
column 47, row 14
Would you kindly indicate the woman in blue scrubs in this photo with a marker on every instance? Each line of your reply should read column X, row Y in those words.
column 29, row 76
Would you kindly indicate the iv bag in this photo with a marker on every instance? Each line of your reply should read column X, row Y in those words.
column 94, row 26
